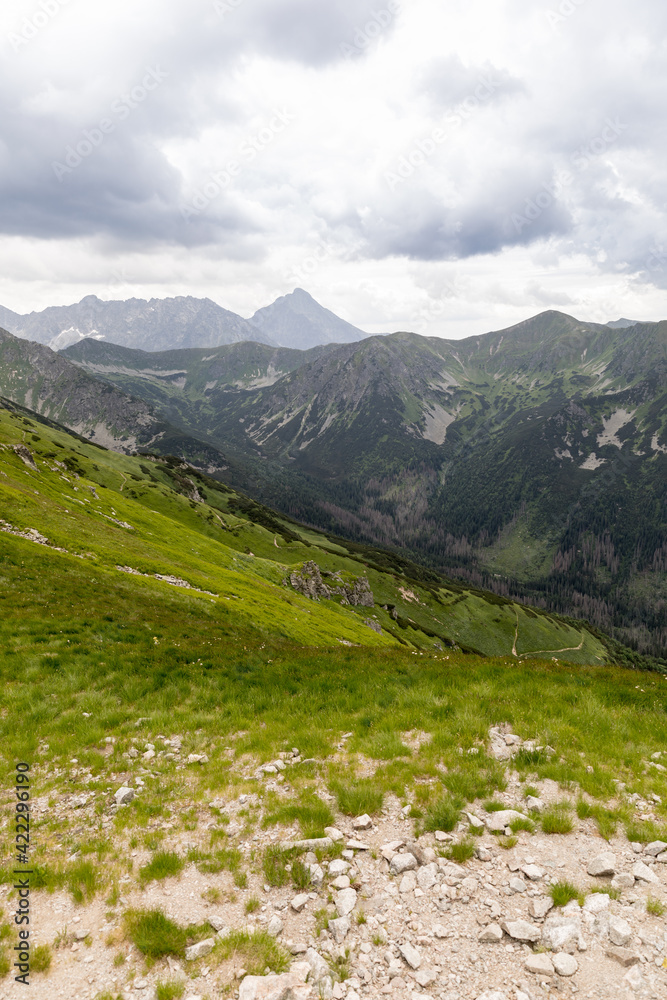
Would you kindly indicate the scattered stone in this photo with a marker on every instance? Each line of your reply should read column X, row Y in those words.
column 217, row 923
column 492, row 934
column 274, row 926
column 289, row 986
column 425, row 977
column 533, row 872
column 346, row 900
column 534, row 804
column 624, row 880
column 401, row 863
column 565, row 965
column 623, row 956
column 408, row 883
column 199, row 950
column 299, row 902
column 411, row 955
column 597, row 902
column 339, row 928
column 357, row 845
column 339, row 867
column 521, row 930
column 603, row 864
column 518, row 885
column 475, row 822
column 561, row 933
column 497, row 821
column 540, row 965
column 620, row 932
column 427, row 876
column 540, row 906
column 362, row 822
column 644, row 873
column 124, row 795
column 656, row 848
column 333, row 834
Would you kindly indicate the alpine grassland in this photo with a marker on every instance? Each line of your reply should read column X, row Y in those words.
column 151, row 637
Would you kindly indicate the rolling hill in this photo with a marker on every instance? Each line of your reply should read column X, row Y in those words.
column 530, row 460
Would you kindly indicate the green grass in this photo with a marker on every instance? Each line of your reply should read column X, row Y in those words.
column 606, row 819
column 256, row 949
column 655, row 907
column 5, row 963
column 517, row 825
column 83, row 881
column 252, row 905
column 557, row 818
column 443, row 814
column 607, row 890
column 163, row 864
column 461, row 852
column 172, row 989
column 358, row 797
column 274, row 864
column 562, row 892
column 491, row 806
column 41, row 958
column 507, row 843
column 309, row 811
column 154, row 934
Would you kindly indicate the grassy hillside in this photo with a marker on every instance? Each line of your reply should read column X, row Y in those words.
column 114, row 524
column 530, row 461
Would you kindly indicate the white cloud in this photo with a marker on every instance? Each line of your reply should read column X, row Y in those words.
column 445, row 169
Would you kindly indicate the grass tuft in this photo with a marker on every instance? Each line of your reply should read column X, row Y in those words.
column 40, row 960
column 557, row 818
column 358, row 797
column 443, row 814
column 163, row 864
column 257, row 949
column 461, row 852
column 655, row 907
column 154, row 934
column 562, row 892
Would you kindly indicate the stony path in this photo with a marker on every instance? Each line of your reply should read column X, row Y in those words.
column 407, row 922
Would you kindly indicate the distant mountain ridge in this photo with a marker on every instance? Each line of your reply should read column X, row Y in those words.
column 298, row 321
column 293, row 321
column 531, row 460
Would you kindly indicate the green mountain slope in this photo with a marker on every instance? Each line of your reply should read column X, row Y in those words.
column 155, row 541
column 532, row 460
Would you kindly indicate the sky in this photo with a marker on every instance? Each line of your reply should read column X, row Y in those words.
column 443, row 167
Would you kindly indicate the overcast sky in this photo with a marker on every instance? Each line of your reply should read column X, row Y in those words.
column 444, row 167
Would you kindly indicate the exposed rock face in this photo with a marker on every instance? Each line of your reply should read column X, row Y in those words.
column 309, row 582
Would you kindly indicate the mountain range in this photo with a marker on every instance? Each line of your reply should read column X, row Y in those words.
column 531, row 460
column 294, row 320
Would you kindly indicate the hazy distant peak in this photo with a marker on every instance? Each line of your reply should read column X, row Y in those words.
column 297, row 320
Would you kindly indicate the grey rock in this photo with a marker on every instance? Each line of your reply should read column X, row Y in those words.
column 362, row 822
column 401, row 863
column 274, row 926
column 624, row 880
column 346, row 900
column 565, row 965
column 333, row 834
column 339, row 867
column 426, row 977
column 644, row 873
column 656, row 848
column 540, row 965
column 534, row 804
column 123, row 795
column 339, row 928
column 533, row 872
column 620, row 932
column 316, row 875
column 299, row 902
column 427, row 876
column 522, row 930
column 624, row 956
column 492, row 934
column 497, row 821
column 288, row 986
column 603, row 865
column 319, row 968
column 199, row 950
column 518, row 885
column 217, row 922
column 411, row 955
column 314, row 844
column 540, row 906
column 408, row 883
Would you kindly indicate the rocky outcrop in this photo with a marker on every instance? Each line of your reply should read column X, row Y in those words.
column 308, row 581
